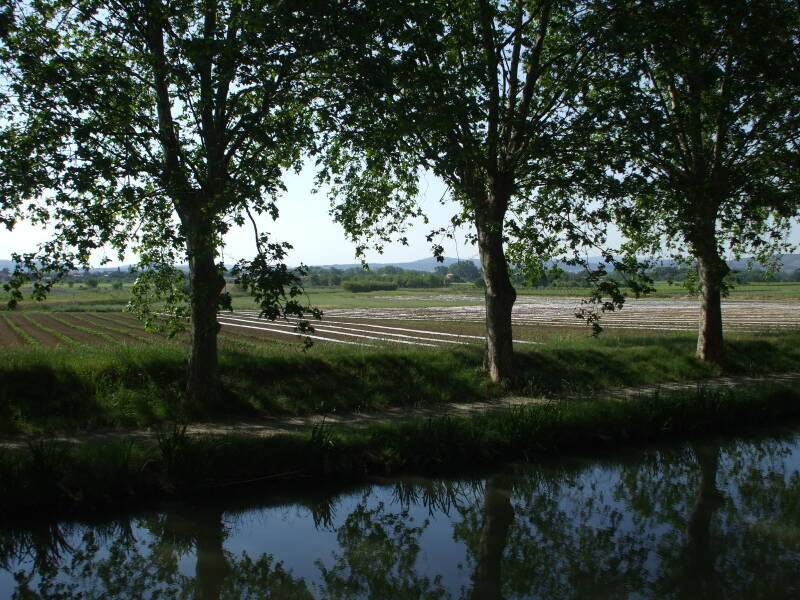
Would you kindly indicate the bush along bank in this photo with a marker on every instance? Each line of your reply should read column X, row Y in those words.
column 60, row 477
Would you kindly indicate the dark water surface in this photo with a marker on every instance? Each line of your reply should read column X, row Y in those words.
column 702, row 520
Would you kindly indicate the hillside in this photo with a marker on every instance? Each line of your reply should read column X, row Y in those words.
column 789, row 263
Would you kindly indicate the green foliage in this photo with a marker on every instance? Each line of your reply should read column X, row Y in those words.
column 464, row 270
column 698, row 120
column 486, row 95
column 184, row 119
column 368, row 285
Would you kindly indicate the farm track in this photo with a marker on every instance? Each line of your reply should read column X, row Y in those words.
column 270, row 426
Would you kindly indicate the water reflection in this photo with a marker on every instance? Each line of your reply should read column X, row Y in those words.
column 692, row 521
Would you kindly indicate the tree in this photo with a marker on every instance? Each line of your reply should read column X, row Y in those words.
column 703, row 100
column 156, row 125
column 482, row 93
column 465, row 270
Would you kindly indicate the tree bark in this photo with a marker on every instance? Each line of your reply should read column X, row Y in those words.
column 206, row 284
column 486, row 580
column 500, row 298
column 711, row 271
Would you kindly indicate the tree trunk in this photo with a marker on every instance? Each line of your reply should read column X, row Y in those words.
column 486, row 580
column 699, row 559
column 206, row 284
column 711, row 270
column 500, row 297
column 212, row 567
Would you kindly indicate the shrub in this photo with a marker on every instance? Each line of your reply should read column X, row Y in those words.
column 368, row 286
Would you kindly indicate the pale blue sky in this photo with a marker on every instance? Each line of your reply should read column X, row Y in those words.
column 305, row 223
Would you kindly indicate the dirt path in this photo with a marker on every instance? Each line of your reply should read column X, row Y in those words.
column 277, row 425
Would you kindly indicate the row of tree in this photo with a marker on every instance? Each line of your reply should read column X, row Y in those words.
column 396, row 276
column 160, row 123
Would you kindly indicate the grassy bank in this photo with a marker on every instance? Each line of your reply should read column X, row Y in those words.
column 56, row 477
column 60, row 390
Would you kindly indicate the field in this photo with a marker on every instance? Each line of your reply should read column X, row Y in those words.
column 410, row 318
column 69, row 366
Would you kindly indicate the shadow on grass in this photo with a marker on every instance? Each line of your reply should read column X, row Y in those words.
column 347, row 382
column 646, row 361
column 53, row 389
column 45, row 390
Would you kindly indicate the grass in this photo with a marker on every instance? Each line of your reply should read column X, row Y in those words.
column 56, row 390
column 57, row 477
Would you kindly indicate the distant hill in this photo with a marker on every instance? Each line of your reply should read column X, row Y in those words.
column 427, row 265
column 789, row 263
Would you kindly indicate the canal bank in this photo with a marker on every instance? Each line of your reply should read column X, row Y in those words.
column 99, row 474
column 716, row 517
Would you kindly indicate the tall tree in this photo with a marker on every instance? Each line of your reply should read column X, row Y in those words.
column 482, row 93
column 156, row 125
column 703, row 99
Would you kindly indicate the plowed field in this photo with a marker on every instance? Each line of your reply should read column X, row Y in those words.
column 429, row 327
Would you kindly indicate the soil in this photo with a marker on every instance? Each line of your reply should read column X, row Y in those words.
column 48, row 340
column 89, row 339
column 134, row 337
column 667, row 315
column 418, row 327
column 8, row 337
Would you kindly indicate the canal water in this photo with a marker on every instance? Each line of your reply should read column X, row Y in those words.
column 697, row 520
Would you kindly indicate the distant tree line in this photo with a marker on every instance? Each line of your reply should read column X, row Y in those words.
column 391, row 278
column 674, row 273
column 361, row 280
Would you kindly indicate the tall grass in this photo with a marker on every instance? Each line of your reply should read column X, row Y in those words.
column 45, row 390
column 49, row 475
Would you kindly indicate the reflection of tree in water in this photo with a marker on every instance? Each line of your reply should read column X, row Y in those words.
column 124, row 567
column 497, row 519
column 378, row 557
column 683, row 522
column 658, row 526
column 561, row 540
column 717, row 544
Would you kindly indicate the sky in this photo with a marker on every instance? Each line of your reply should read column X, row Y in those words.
column 305, row 223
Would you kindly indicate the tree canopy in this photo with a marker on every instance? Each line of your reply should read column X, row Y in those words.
column 485, row 95
column 702, row 104
column 157, row 126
